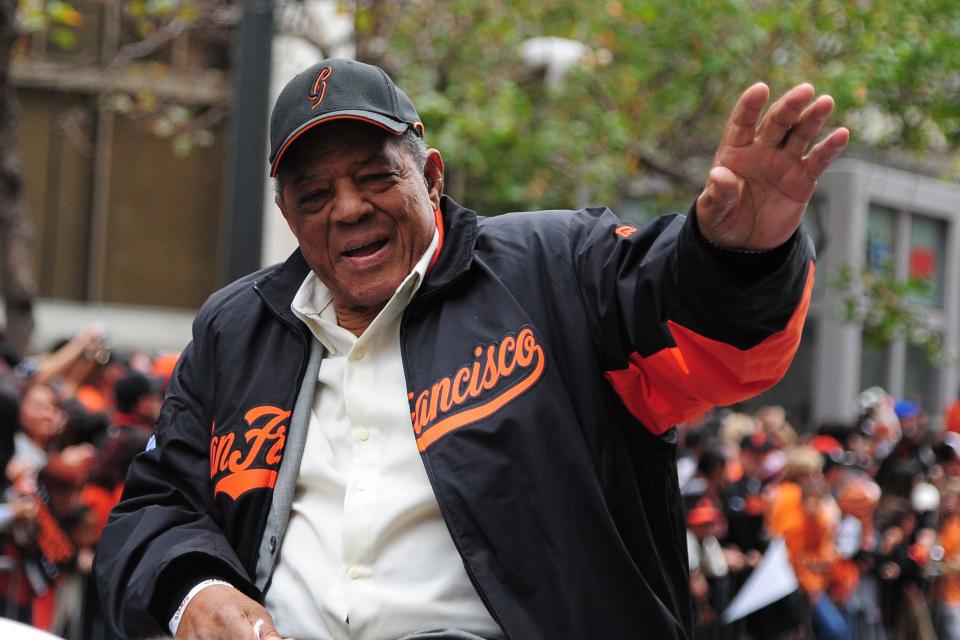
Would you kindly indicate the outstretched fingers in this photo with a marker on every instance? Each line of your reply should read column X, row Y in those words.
column 784, row 114
column 811, row 121
column 741, row 128
column 825, row 152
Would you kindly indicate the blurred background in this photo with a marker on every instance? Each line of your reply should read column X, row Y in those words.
column 133, row 172
column 133, row 142
column 133, row 137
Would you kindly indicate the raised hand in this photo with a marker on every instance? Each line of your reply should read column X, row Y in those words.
column 763, row 174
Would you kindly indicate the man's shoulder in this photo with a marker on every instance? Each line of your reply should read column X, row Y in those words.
column 238, row 295
column 240, row 288
column 509, row 227
column 546, row 218
column 564, row 221
column 554, row 228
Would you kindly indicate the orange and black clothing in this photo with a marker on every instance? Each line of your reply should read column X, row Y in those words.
column 809, row 538
column 546, row 357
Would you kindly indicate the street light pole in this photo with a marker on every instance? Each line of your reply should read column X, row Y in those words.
column 242, row 226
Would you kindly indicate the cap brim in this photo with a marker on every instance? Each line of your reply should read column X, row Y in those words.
column 395, row 127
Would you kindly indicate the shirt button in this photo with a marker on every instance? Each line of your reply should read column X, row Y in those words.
column 361, row 485
column 364, row 435
column 273, row 544
column 353, row 573
column 358, row 353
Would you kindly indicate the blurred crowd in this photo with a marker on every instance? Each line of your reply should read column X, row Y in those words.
column 868, row 514
column 71, row 421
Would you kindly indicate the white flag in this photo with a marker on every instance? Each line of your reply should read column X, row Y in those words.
column 771, row 580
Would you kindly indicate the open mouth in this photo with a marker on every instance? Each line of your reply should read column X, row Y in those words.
column 366, row 250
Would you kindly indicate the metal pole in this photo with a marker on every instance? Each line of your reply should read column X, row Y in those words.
column 242, row 225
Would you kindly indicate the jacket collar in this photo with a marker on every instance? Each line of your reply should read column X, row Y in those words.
column 279, row 285
column 459, row 244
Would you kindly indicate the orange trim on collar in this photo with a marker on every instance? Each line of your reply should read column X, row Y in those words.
column 438, row 217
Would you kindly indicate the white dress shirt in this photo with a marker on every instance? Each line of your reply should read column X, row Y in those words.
column 366, row 553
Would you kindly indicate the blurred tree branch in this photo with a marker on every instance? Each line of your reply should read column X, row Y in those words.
column 650, row 95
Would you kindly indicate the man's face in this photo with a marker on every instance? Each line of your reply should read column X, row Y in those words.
column 361, row 210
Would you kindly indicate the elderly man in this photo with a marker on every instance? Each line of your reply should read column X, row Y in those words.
column 431, row 424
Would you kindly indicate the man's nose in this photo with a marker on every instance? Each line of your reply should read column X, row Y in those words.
column 350, row 206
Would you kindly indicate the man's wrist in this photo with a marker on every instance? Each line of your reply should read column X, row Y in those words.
column 174, row 623
column 741, row 265
column 737, row 250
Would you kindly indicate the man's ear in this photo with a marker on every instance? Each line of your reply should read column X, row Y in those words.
column 286, row 215
column 433, row 174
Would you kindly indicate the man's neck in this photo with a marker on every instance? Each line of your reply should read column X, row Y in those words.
column 356, row 321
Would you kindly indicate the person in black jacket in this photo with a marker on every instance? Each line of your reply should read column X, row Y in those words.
column 546, row 357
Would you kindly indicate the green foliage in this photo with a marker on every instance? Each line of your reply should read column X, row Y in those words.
column 886, row 308
column 64, row 38
column 145, row 17
column 58, row 18
column 651, row 93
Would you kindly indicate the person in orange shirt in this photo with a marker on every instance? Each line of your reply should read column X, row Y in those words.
column 854, row 583
column 799, row 513
column 950, row 541
column 952, row 421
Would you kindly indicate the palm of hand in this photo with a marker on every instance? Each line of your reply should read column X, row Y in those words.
column 762, row 177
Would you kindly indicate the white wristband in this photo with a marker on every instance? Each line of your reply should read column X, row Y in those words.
column 175, row 620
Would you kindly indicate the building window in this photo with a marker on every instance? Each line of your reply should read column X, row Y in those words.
column 881, row 239
column 926, row 260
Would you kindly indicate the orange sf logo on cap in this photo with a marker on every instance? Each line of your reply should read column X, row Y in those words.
column 319, row 88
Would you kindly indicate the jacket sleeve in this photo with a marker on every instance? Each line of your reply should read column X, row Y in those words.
column 682, row 325
column 160, row 539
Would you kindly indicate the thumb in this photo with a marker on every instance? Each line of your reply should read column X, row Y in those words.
column 719, row 197
column 263, row 629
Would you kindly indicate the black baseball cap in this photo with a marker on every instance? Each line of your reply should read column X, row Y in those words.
column 338, row 89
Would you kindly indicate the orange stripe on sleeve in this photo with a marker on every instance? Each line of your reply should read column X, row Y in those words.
column 681, row 382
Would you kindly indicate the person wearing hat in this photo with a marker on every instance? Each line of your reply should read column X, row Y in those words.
column 708, row 562
column 428, row 423
column 138, row 401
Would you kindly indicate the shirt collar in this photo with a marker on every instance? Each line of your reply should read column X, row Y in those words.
column 313, row 304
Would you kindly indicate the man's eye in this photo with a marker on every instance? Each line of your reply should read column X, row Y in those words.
column 314, row 196
column 382, row 176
